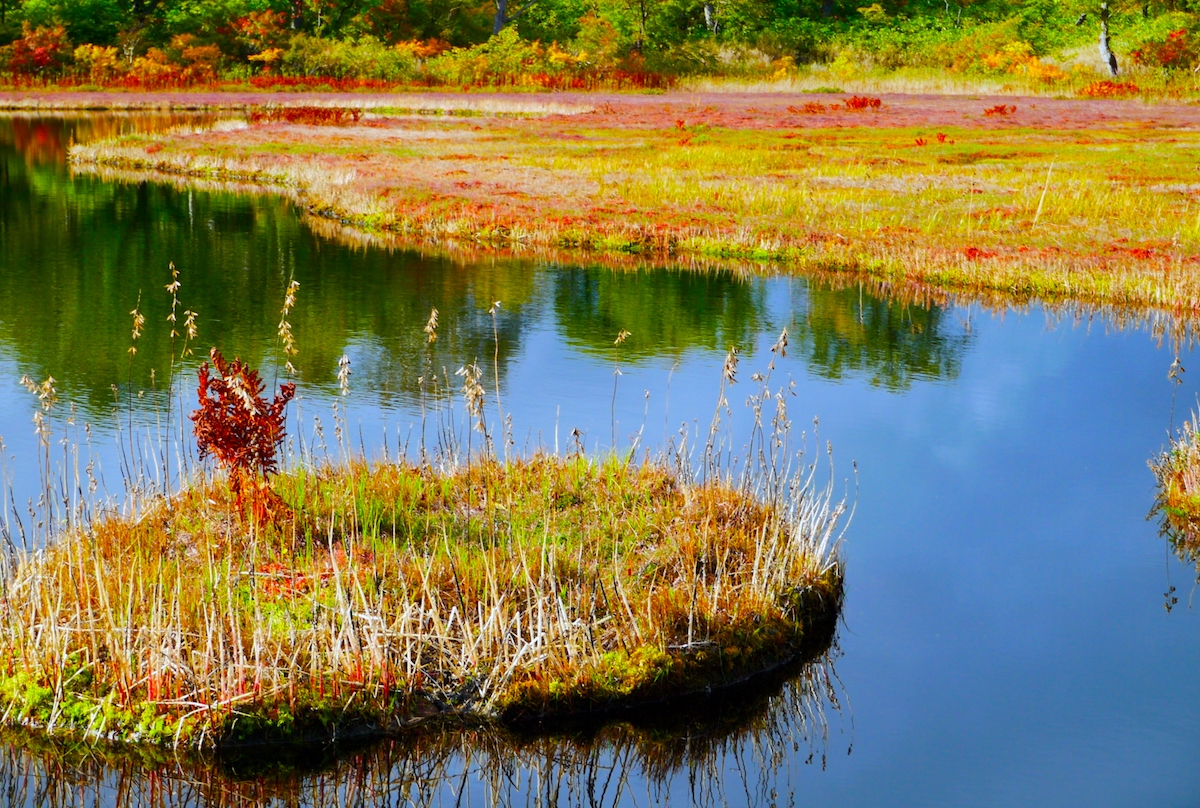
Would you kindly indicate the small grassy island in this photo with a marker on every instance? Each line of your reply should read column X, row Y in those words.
column 343, row 598
column 1177, row 470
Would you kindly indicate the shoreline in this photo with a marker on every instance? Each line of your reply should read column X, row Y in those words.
column 872, row 194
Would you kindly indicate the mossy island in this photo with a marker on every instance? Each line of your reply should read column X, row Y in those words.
column 341, row 597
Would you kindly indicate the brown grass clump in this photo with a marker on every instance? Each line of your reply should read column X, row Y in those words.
column 394, row 593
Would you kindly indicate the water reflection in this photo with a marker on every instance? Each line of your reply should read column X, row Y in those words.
column 80, row 253
column 890, row 342
column 666, row 312
column 725, row 750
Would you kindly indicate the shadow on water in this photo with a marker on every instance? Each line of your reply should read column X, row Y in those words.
column 738, row 747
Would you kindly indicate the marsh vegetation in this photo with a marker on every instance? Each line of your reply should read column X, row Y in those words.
column 307, row 591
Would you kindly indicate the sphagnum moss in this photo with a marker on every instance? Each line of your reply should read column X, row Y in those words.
column 393, row 593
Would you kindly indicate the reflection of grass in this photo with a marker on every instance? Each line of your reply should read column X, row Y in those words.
column 374, row 597
column 1098, row 215
column 716, row 754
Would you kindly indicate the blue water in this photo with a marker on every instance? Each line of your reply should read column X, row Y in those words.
column 1005, row 640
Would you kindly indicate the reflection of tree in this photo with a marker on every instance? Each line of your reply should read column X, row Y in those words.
column 665, row 311
column 849, row 332
column 45, row 139
column 730, row 749
column 842, row 331
column 77, row 252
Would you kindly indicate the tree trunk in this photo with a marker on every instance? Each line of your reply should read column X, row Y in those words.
column 1106, row 54
column 501, row 18
column 827, row 8
column 710, row 16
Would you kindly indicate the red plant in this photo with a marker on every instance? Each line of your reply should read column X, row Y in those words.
column 310, row 116
column 1176, row 53
column 974, row 253
column 942, row 138
column 40, row 51
column 1109, row 89
column 1000, row 109
column 921, row 141
column 861, row 102
column 810, row 108
column 237, row 426
column 318, row 82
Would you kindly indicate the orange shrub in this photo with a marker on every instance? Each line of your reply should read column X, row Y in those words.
column 1109, row 89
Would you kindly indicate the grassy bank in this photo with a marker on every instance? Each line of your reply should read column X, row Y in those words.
column 1059, row 200
column 379, row 597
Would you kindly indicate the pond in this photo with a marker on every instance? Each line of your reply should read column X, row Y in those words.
column 1005, row 639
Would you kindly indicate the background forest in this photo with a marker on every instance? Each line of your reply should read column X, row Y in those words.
column 583, row 43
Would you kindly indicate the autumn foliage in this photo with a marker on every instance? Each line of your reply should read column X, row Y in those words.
column 238, row 427
column 310, row 116
column 858, row 103
column 1109, row 89
column 1179, row 51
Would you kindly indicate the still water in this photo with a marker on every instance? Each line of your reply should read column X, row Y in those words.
column 1005, row 640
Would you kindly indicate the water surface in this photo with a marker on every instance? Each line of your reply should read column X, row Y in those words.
column 1005, row 638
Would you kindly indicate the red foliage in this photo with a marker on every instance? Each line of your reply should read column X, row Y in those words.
column 1179, row 51
column 858, row 103
column 39, row 51
column 809, row 108
column 310, row 116
column 1109, row 89
column 921, row 141
column 237, row 426
column 1000, row 109
column 974, row 253
column 316, row 82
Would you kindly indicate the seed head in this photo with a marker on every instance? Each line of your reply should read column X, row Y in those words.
column 473, row 392
column 45, row 392
column 344, row 375
column 139, row 320
column 780, row 346
column 729, row 372
column 431, row 326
